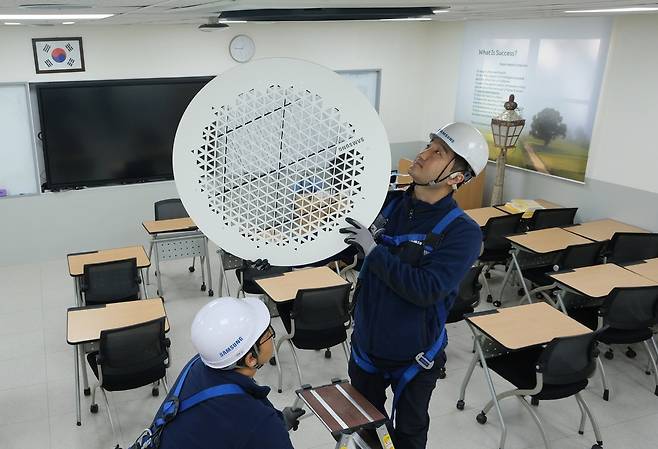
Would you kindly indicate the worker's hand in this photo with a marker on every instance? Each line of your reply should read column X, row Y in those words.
column 360, row 236
column 291, row 417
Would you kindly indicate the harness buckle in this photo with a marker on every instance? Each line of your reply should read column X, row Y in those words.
column 423, row 361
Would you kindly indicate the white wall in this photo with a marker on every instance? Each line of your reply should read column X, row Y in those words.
column 52, row 225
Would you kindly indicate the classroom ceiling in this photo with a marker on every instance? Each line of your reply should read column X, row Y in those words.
column 201, row 11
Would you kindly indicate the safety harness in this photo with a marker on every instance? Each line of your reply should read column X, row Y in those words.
column 173, row 406
column 423, row 360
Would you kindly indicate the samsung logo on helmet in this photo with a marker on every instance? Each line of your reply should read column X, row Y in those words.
column 446, row 135
column 231, row 347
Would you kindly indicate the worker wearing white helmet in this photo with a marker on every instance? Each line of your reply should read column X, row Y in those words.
column 416, row 253
column 215, row 402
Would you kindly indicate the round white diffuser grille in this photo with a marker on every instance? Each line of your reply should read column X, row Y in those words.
column 272, row 156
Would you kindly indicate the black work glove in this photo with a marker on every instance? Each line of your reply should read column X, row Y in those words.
column 291, row 417
column 260, row 265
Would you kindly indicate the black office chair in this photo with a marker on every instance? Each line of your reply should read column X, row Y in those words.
column 319, row 319
column 466, row 301
column 496, row 249
column 559, row 370
column 108, row 282
column 227, row 262
column 574, row 256
column 628, row 315
column 632, row 246
column 248, row 273
column 552, row 218
column 130, row 357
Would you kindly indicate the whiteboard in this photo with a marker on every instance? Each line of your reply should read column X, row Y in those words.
column 367, row 81
column 18, row 171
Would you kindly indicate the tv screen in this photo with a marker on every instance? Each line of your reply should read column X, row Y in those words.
column 110, row 132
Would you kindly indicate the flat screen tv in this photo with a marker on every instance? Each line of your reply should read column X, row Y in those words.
column 98, row 133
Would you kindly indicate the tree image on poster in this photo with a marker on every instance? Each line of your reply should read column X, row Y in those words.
column 554, row 69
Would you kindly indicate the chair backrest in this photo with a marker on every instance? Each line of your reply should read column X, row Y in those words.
column 321, row 314
column 631, row 308
column 171, row 208
column 468, row 296
column 568, row 360
column 108, row 282
column 552, row 218
column 229, row 261
column 134, row 355
column 577, row 256
column 497, row 228
column 632, row 246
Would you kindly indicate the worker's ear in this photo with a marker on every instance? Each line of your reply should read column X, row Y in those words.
column 250, row 360
column 455, row 179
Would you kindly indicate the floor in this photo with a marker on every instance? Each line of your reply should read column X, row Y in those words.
column 37, row 407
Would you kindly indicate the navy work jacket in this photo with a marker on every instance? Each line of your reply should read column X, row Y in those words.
column 243, row 421
column 395, row 315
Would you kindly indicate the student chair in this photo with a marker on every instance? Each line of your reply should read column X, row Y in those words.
column 628, row 315
column 627, row 247
column 552, row 218
column 318, row 319
column 574, row 256
column 108, row 282
column 496, row 249
column 559, row 370
column 227, row 262
column 128, row 358
column 467, row 300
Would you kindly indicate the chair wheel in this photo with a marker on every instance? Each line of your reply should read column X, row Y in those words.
column 87, row 392
column 520, row 292
column 273, row 361
column 327, row 354
column 497, row 303
column 93, row 408
column 606, row 395
column 647, row 372
column 630, row 353
column 155, row 391
column 191, row 269
column 279, row 390
column 598, row 446
column 203, row 287
column 609, row 354
column 481, row 418
column 489, row 298
column 487, row 275
column 442, row 373
column 534, row 401
column 460, row 405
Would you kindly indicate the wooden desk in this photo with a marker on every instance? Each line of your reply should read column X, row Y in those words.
column 528, row 325
column 599, row 280
column 647, row 269
column 284, row 287
column 482, row 215
column 84, row 324
column 601, row 230
column 77, row 262
column 545, row 241
column 172, row 225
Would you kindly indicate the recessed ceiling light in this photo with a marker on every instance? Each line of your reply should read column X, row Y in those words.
column 231, row 21
column 68, row 23
column 12, row 23
column 439, row 11
column 629, row 9
column 54, row 16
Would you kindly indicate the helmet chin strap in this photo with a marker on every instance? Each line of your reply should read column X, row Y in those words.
column 438, row 179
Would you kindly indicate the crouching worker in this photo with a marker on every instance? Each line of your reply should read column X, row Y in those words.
column 215, row 402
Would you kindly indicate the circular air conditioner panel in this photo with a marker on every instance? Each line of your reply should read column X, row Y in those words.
column 272, row 156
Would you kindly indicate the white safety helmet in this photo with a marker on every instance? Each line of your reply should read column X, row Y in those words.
column 225, row 329
column 466, row 141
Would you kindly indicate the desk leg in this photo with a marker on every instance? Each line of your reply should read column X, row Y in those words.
column 210, row 292
column 520, row 273
column 148, row 269
column 560, row 301
column 157, row 271
column 508, row 272
column 77, row 292
column 141, row 273
column 467, row 379
column 76, row 358
column 492, row 390
column 83, row 368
